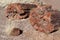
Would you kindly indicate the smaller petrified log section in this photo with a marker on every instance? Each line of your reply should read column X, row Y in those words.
column 18, row 10
column 15, row 32
column 44, row 19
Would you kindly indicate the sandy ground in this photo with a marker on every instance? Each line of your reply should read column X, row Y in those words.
column 54, row 3
column 29, row 33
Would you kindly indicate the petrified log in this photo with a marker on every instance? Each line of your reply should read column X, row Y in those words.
column 44, row 18
column 18, row 10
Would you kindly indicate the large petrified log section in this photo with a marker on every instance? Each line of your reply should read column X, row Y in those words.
column 45, row 19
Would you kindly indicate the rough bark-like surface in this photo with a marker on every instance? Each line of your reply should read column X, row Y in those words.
column 41, row 18
column 18, row 10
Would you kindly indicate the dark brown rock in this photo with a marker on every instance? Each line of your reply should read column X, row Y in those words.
column 15, row 32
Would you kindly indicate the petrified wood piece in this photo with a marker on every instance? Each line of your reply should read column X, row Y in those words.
column 18, row 10
column 42, row 19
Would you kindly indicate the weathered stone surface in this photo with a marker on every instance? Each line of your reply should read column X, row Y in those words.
column 18, row 10
column 41, row 18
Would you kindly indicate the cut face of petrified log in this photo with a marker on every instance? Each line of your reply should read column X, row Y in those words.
column 18, row 10
column 44, row 19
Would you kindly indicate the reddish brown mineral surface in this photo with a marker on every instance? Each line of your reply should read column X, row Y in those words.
column 18, row 10
column 41, row 18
